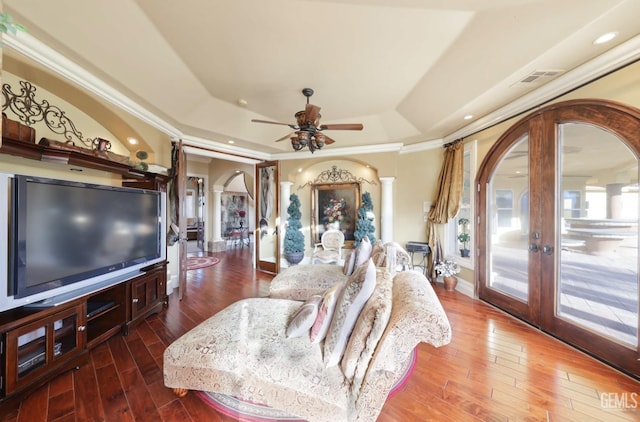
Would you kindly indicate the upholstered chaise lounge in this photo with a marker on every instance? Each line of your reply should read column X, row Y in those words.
column 300, row 282
column 243, row 351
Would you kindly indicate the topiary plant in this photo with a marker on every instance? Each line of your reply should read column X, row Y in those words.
column 293, row 238
column 364, row 224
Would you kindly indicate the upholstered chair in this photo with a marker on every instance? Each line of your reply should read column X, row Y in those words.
column 329, row 250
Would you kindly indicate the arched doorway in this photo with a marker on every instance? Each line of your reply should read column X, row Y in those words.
column 573, row 270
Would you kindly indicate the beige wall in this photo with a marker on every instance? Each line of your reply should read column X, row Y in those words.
column 415, row 184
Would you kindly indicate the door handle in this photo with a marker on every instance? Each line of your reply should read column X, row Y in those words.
column 547, row 249
column 533, row 247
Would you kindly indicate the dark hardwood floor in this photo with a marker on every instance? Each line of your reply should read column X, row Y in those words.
column 496, row 368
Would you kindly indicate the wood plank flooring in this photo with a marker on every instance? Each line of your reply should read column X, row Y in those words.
column 495, row 369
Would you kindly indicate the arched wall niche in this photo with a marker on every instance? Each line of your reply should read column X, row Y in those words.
column 91, row 115
column 302, row 186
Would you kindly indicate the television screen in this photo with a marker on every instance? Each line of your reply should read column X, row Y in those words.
column 65, row 232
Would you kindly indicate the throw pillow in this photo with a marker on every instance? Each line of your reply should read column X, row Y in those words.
column 363, row 251
column 303, row 318
column 349, row 263
column 368, row 331
column 355, row 294
column 378, row 254
column 325, row 313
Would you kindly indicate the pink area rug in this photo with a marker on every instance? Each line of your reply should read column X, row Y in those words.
column 197, row 262
column 251, row 412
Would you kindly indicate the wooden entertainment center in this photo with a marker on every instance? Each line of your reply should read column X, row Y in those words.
column 37, row 344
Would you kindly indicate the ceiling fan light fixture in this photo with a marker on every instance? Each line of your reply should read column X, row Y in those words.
column 295, row 144
column 300, row 118
column 308, row 127
column 304, row 137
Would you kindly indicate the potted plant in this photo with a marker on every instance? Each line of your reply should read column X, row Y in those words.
column 293, row 238
column 464, row 237
column 448, row 270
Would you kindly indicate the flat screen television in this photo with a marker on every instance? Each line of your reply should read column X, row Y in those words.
column 67, row 237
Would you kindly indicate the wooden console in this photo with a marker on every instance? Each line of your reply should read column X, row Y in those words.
column 37, row 344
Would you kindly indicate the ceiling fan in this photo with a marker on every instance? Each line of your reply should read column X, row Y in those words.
column 308, row 130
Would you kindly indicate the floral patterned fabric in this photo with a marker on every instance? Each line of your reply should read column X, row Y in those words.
column 352, row 299
column 402, row 256
column 243, row 351
column 367, row 332
column 300, row 282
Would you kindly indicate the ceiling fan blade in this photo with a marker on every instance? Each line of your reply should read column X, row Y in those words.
column 287, row 136
column 273, row 123
column 312, row 113
column 342, row 126
column 327, row 140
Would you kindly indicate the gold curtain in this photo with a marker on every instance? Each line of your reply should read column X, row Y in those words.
column 447, row 200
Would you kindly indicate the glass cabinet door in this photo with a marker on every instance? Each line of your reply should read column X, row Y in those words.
column 34, row 347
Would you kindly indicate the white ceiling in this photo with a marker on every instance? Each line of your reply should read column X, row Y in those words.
column 409, row 70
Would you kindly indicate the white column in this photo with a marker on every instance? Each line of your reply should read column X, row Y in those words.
column 217, row 215
column 386, row 212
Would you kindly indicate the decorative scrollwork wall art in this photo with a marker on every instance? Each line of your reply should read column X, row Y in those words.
column 30, row 111
column 336, row 175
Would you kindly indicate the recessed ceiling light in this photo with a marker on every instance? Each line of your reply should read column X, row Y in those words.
column 605, row 38
column 231, row 141
column 237, row 171
column 468, row 117
column 132, row 141
column 242, row 102
column 299, row 170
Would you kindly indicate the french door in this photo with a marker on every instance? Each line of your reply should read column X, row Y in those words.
column 558, row 197
column 267, row 217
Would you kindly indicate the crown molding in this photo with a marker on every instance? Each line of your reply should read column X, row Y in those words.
column 609, row 61
column 338, row 152
column 34, row 49
column 208, row 152
column 422, row 146
column 203, row 144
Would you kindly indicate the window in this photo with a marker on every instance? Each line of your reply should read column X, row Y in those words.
column 572, row 204
column 504, row 207
column 451, row 245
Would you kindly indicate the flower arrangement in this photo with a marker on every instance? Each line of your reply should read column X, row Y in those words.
column 447, row 268
column 335, row 210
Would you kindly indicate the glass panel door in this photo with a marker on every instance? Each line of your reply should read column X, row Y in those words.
column 558, row 245
column 509, row 194
column 266, row 239
column 598, row 266
column 508, row 245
